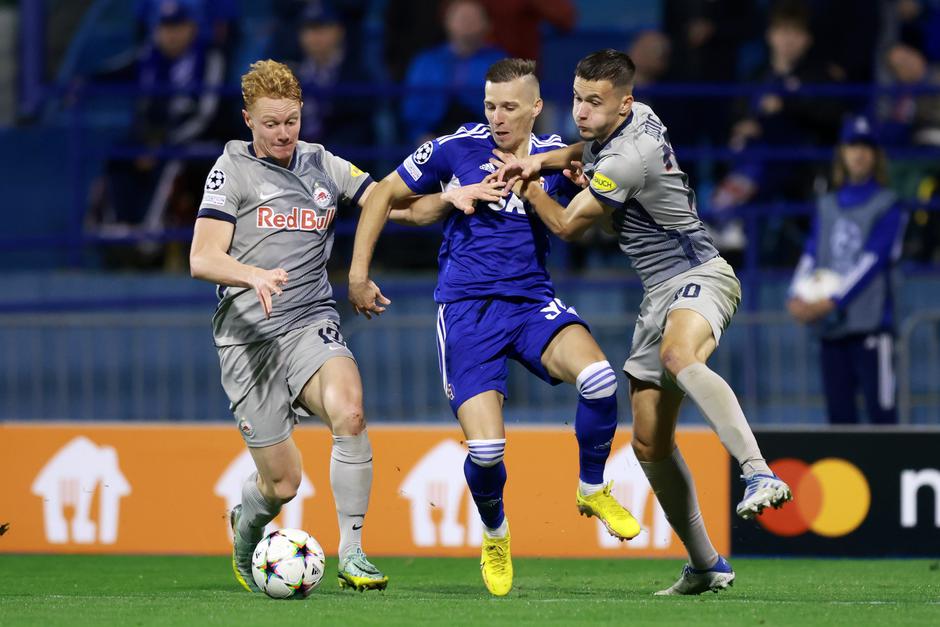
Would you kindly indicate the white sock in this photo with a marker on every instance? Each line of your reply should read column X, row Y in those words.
column 351, row 481
column 499, row 532
column 587, row 489
column 257, row 512
column 672, row 483
column 721, row 409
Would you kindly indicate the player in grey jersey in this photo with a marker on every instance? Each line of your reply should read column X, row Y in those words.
column 264, row 235
column 634, row 185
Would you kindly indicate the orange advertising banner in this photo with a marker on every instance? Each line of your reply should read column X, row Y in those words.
column 93, row 488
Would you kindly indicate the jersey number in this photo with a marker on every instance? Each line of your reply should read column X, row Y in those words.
column 330, row 335
column 669, row 162
column 691, row 290
column 555, row 308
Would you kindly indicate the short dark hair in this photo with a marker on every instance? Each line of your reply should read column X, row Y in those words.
column 506, row 70
column 607, row 65
column 792, row 13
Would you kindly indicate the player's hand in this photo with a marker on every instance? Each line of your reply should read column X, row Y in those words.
column 465, row 197
column 576, row 174
column 267, row 284
column 810, row 312
column 366, row 298
column 511, row 166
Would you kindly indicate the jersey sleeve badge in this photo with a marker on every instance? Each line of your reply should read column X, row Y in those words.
column 215, row 181
column 423, row 153
column 602, row 183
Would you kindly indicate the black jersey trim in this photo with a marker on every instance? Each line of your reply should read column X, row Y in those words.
column 215, row 214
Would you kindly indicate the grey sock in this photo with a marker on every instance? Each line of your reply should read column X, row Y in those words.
column 672, row 483
column 256, row 511
column 721, row 409
column 351, row 481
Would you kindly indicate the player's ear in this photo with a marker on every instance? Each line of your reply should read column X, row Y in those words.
column 247, row 118
column 625, row 103
column 537, row 108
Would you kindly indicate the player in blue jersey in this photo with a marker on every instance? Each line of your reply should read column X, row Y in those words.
column 496, row 301
column 634, row 184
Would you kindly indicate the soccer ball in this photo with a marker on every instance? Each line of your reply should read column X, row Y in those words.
column 288, row 563
column 818, row 286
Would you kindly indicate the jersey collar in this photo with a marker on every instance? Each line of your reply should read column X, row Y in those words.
column 597, row 146
column 271, row 160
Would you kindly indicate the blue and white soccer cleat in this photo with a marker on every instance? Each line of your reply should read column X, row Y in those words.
column 762, row 491
column 694, row 581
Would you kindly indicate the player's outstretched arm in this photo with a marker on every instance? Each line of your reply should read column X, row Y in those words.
column 567, row 223
column 424, row 210
column 209, row 260
column 377, row 203
column 528, row 168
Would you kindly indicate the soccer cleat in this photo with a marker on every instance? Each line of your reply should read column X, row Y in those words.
column 694, row 581
column 241, row 553
column 619, row 521
column 496, row 565
column 762, row 491
column 358, row 573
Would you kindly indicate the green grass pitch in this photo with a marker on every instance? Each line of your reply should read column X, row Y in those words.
column 128, row 590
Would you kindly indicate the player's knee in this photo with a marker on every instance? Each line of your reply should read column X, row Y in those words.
column 597, row 380
column 285, row 488
column 649, row 450
column 676, row 357
column 348, row 420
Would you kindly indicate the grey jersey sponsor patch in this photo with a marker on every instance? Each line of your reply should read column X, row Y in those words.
column 283, row 218
column 635, row 172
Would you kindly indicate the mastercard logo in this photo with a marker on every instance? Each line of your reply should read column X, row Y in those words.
column 831, row 498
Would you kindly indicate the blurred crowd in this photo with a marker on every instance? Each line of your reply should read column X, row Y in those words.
column 749, row 92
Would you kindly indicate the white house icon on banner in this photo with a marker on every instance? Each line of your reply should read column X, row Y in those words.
column 229, row 487
column 632, row 489
column 69, row 480
column 436, row 488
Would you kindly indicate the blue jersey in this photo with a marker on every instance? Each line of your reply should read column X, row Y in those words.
column 500, row 249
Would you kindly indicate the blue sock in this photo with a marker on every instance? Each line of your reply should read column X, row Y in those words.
column 486, row 486
column 595, row 423
column 594, row 426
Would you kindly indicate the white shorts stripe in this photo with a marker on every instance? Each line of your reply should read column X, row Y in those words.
column 886, row 384
column 441, row 345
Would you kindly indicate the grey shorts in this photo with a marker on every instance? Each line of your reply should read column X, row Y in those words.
column 710, row 289
column 263, row 380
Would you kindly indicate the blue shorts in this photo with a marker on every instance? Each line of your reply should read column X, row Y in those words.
column 476, row 337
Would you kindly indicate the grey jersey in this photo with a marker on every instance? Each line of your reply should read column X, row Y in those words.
column 636, row 174
column 283, row 219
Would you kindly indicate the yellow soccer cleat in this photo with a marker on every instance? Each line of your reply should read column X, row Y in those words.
column 241, row 554
column 619, row 521
column 358, row 573
column 496, row 565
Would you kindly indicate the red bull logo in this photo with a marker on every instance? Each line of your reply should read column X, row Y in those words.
column 831, row 498
column 297, row 220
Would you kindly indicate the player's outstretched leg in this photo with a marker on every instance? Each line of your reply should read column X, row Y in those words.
column 694, row 581
column 248, row 521
column 721, row 408
column 351, row 482
column 486, row 477
column 595, row 425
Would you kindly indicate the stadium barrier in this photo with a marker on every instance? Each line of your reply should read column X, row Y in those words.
column 154, row 489
column 146, row 361
column 859, row 493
